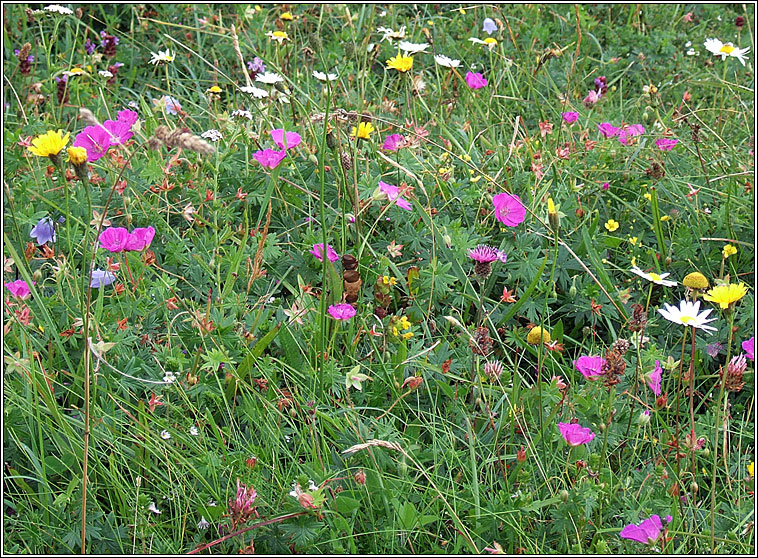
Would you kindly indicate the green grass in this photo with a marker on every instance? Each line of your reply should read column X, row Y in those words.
column 459, row 461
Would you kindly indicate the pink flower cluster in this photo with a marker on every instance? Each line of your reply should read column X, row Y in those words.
column 270, row 158
column 97, row 139
column 624, row 134
column 475, row 80
column 118, row 239
column 341, row 312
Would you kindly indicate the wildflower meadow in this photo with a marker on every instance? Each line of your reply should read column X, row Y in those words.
column 378, row 279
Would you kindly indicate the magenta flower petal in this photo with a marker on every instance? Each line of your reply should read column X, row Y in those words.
column 318, row 251
column 95, row 139
column 591, row 367
column 475, row 80
column 749, row 348
column 19, row 289
column 402, row 203
column 269, row 158
column 389, row 190
column 508, row 209
column 574, row 434
column 342, row 312
column 653, row 378
column 629, row 132
column 608, row 130
column 140, row 239
column 646, row 532
column 393, row 142
column 114, row 239
column 279, row 136
column 570, row 117
column 128, row 117
column 666, row 144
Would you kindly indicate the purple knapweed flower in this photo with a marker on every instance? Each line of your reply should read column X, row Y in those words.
column 44, row 231
column 666, row 144
column 646, row 532
column 393, row 142
column 570, row 117
column 270, row 158
column 101, row 278
column 486, row 254
column 489, row 26
column 653, row 378
column 292, row 139
column 318, row 251
column 342, row 312
column 749, row 348
column 591, row 367
column 475, row 80
column 508, row 209
column 115, row 239
column 574, row 434
column 19, row 289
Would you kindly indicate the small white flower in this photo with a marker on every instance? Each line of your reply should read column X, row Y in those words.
column 321, row 76
column 692, row 52
column 269, row 78
column 212, row 503
column 688, row 44
column 688, row 314
column 133, row 104
column 287, row 439
column 242, row 114
column 283, row 99
column 105, row 73
column 443, row 60
column 312, row 485
column 169, row 378
column 153, row 508
column 390, row 35
column 203, row 524
column 165, row 435
column 194, row 431
column 58, row 9
column 412, row 48
column 256, row 92
column 723, row 50
column 370, row 47
column 211, row 135
column 654, row 277
column 161, row 56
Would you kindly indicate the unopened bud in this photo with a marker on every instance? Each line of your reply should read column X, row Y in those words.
column 694, row 488
column 564, row 496
column 360, row 477
column 552, row 215
column 580, row 212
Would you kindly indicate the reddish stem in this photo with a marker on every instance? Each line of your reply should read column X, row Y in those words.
column 245, row 530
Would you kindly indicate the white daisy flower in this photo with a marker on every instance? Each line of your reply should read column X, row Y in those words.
column 203, row 524
column 256, row 92
column 654, row 277
column 211, row 135
column 194, row 431
column 720, row 49
column 269, row 78
column 489, row 42
column 161, row 56
column 443, row 60
column 58, row 9
column 321, row 76
column 279, row 36
column 688, row 314
column 390, row 35
column 105, row 73
column 74, row 72
column 153, row 508
column 412, row 48
column 165, row 435
column 242, row 114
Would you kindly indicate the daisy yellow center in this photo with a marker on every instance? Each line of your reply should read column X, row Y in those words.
column 655, row 277
column 727, row 49
column 280, row 34
column 688, row 319
column 490, row 40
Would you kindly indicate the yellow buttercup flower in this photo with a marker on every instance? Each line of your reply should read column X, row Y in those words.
column 611, row 225
column 286, row 16
column 49, row 144
column 401, row 63
column 214, row 89
column 647, row 196
column 77, row 155
column 364, row 130
column 728, row 250
column 633, row 240
column 724, row 295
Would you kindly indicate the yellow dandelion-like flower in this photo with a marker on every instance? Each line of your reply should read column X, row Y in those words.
column 751, row 469
column 214, row 89
column 724, row 295
column 77, row 155
column 611, row 225
column 728, row 250
column 491, row 41
column 286, row 16
column 278, row 36
column 538, row 335
column 401, row 63
column 364, row 130
column 49, row 144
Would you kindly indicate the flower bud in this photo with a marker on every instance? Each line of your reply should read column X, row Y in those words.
column 564, row 496
column 552, row 215
column 360, row 477
column 521, row 455
column 644, row 418
column 694, row 488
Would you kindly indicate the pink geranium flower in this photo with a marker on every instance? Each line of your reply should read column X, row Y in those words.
column 115, row 239
column 508, row 209
column 393, row 194
column 749, row 348
column 342, row 312
column 666, row 144
column 95, row 139
column 608, row 130
column 393, row 142
column 318, row 251
column 279, row 136
column 591, row 367
column 570, row 117
column 629, row 132
column 574, row 434
column 475, row 80
column 140, row 239
column 270, row 158
column 19, row 289
column 653, row 378
column 646, row 532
